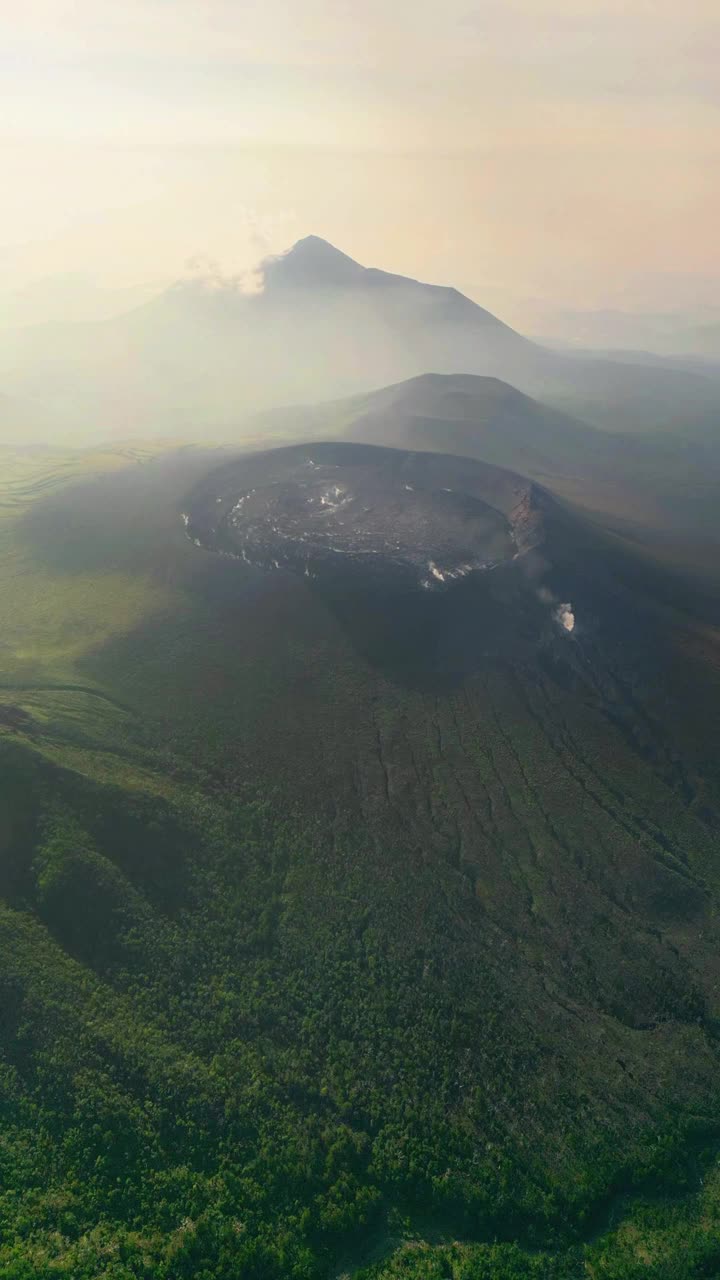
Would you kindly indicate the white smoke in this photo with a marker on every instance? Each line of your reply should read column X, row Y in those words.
column 562, row 611
column 565, row 616
column 205, row 273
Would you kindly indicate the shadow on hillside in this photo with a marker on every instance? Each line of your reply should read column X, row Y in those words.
column 433, row 640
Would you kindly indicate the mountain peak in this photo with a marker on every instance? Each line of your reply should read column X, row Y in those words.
column 311, row 261
column 315, row 244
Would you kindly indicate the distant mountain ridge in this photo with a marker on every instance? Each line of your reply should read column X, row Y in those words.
column 201, row 356
column 313, row 262
column 628, row 481
column 682, row 334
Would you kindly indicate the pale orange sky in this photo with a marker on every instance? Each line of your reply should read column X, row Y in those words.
column 565, row 150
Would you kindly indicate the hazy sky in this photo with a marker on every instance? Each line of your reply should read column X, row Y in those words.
column 520, row 149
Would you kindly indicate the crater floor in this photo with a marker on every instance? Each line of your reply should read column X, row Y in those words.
column 335, row 507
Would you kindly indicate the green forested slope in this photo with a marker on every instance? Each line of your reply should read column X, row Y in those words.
column 306, row 972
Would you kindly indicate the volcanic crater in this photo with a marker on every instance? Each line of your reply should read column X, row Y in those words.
column 412, row 521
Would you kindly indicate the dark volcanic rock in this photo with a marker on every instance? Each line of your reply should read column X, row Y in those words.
column 429, row 561
column 410, row 521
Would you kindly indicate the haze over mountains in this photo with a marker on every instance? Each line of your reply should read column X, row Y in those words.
column 360, row 640
column 694, row 335
column 198, row 358
column 360, row 796
column 661, row 489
